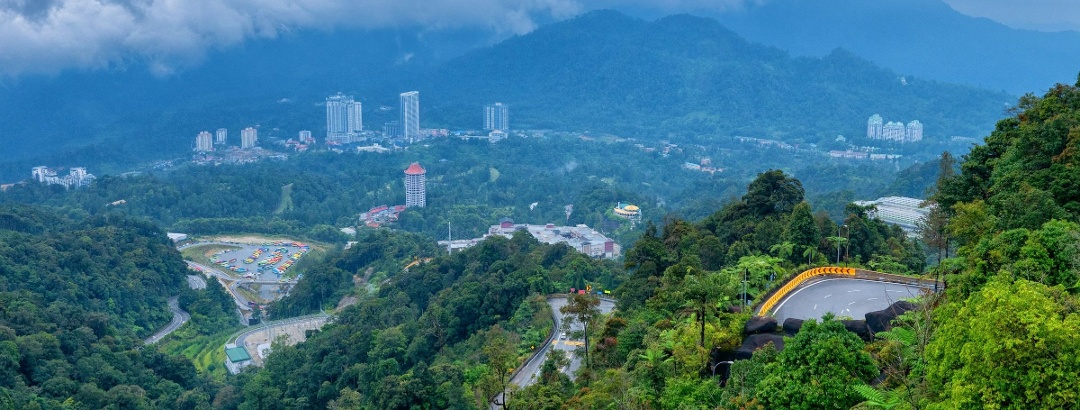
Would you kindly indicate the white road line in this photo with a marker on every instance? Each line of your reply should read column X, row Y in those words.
column 872, row 299
column 827, row 296
column 815, row 307
column 804, row 286
column 852, row 303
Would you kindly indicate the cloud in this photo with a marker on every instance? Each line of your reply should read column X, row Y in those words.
column 51, row 35
column 1048, row 15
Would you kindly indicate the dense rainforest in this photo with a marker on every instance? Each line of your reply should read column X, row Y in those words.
column 77, row 295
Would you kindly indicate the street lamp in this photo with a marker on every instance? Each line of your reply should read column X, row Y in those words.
column 838, row 238
column 847, row 246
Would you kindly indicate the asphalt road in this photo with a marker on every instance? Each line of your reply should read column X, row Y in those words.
column 179, row 318
column 530, row 372
column 843, row 297
column 196, row 282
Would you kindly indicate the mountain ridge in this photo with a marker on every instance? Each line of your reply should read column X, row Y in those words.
column 603, row 71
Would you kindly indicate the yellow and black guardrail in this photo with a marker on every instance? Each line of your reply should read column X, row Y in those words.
column 799, row 279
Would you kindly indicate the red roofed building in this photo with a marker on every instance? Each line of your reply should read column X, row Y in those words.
column 415, row 180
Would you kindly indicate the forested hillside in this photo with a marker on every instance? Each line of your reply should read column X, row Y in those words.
column 443, row 334
column 77, row 294
column 690, row 78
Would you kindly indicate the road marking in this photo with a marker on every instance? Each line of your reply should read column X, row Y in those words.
column 852, row 303
column 827, row 296
column 815, row 307
column 872, row 299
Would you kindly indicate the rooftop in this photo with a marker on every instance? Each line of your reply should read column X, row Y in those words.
column 415, row 169
column 237, row 354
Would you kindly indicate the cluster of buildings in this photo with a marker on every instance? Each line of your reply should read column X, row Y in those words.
column 345, row 123
column 77, row 177
column 898, row 210
column 850, row 154
column 206, row 142
column 581, row 238
column 878, row 129
column 705, row 165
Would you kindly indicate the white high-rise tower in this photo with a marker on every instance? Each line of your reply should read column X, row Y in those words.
column 204, row 142
column 496, row 117
column 410, row 115
column 344, row 118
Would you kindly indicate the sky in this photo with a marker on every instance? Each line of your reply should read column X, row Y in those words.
column 49, row 36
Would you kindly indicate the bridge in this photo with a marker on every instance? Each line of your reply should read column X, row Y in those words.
column 843, row 291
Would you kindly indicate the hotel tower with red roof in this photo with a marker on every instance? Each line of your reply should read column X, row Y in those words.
column 415, row 196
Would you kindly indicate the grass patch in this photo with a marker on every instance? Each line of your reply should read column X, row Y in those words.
column 286, row 203
column 199, row 254
column 206, row 352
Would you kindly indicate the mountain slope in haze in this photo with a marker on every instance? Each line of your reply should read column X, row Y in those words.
column 603, row 72
column 690, row 76
column 925, row 38
column 125, row 115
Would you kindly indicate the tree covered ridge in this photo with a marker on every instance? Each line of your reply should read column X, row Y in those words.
column 76, row 296
column 443, row 334
column 1000, row 335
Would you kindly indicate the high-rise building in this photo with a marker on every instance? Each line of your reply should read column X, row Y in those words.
column 893, row 131
column 874, row 127
column 391, row 129
column 415, row 179
column 496, row 117
column 356, row 118
column 204, row 142
column 913, row 132
column 410, row 115
column 305, row 137
column 248, row 138
column 222, row 136
column 344, row 118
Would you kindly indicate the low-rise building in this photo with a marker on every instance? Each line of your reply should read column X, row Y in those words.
column 580, row 237
column 898, row 210
column 236, row 358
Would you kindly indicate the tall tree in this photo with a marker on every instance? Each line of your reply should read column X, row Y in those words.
column 773, row 192
column 500, row 354
column 801, row 229
column 583, row 308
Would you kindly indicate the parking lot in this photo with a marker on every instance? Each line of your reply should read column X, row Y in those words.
column 269, row 261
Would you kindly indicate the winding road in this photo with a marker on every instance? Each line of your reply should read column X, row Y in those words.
column 848, row 297
column 529, row 373
column 179, row 318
